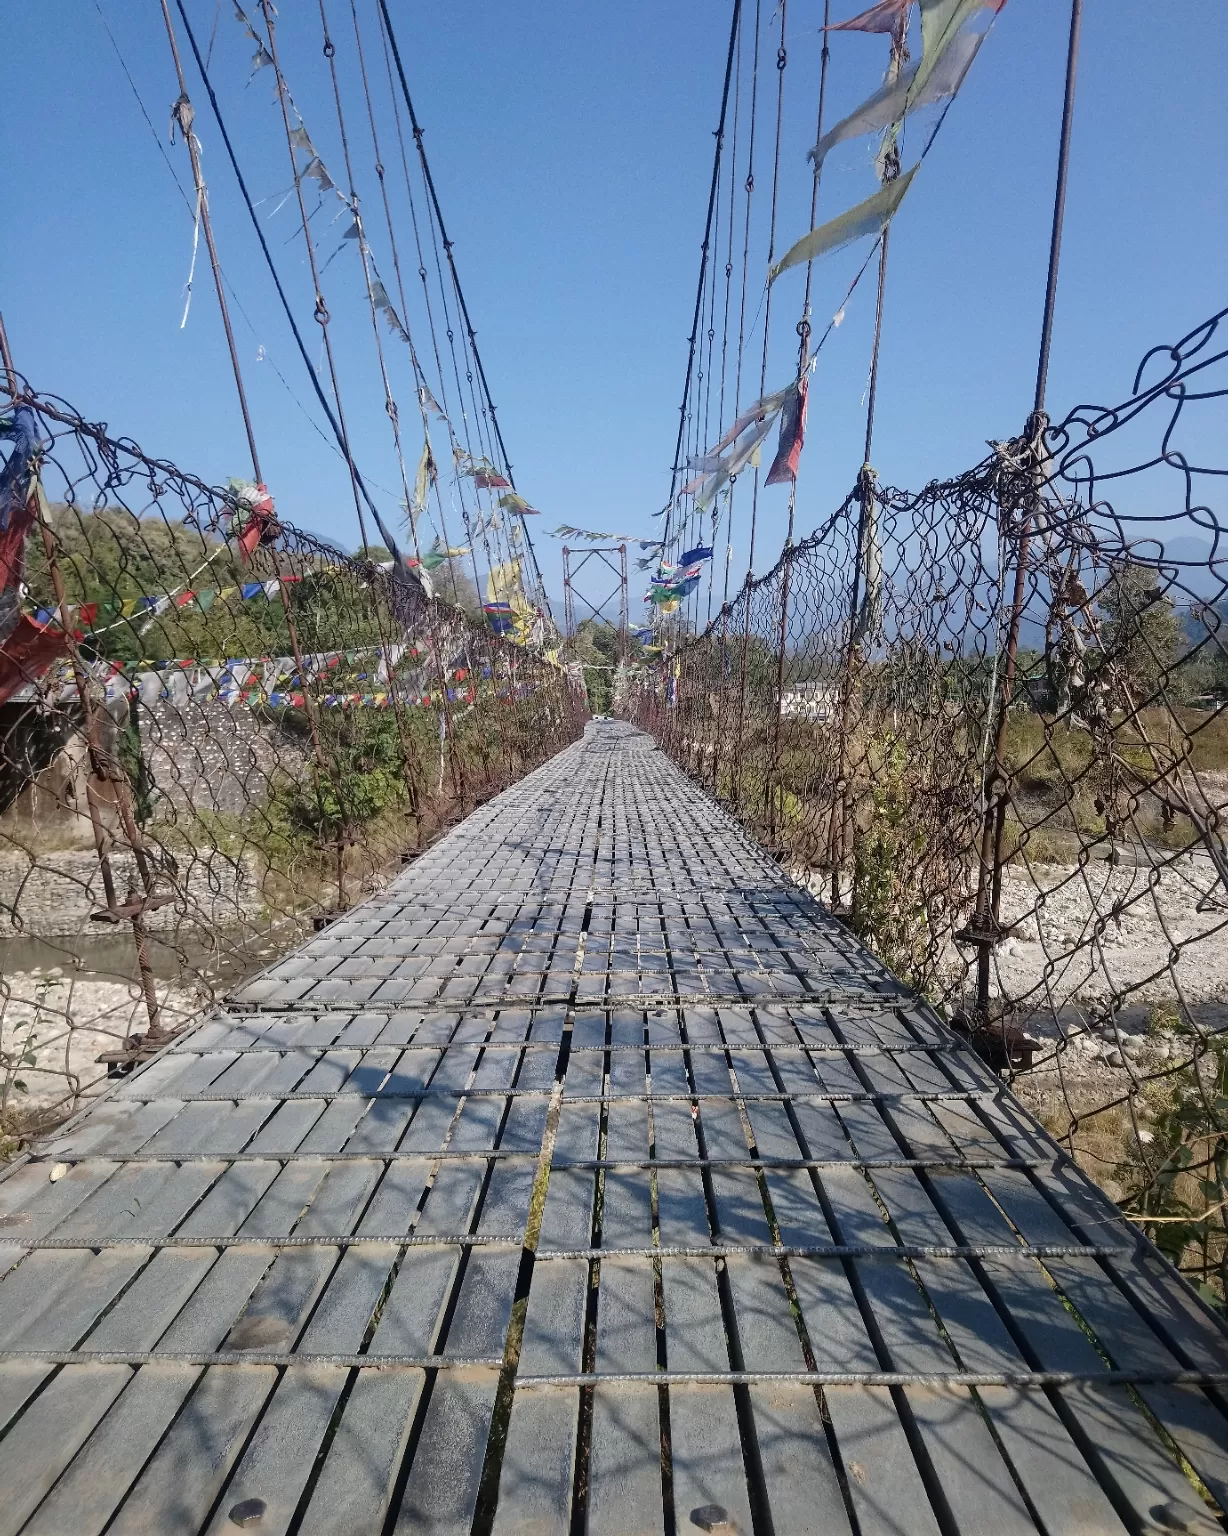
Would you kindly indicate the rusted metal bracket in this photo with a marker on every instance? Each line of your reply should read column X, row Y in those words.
column 134, row 906
column 999, row 1045
column 987, row 930
column 135, row 1049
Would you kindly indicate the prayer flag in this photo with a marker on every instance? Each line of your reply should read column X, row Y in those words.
column 941, row 22
column 489, row 479
column 886, row 16
column 867, row 218
column 902, row 96
column 694, row 556
column 26, row 653
column 428, row 474
column 503, row 583
column 483, row 473
column 768, row 406
column 792, row 436
column 252, row 519
column 511, row 502
column 19, row 492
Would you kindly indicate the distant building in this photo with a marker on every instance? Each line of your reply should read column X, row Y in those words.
column 813, row 700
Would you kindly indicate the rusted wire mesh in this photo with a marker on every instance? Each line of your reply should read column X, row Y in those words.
column 202, row 751
column 988, row 722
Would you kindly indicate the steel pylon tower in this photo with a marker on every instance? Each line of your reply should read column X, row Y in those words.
column 605, row 607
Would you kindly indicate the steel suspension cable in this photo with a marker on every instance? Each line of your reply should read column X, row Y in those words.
column 803, row 325
column 890, row 154
column 733, row 178
column 1059, row 203
column 322, row 315
column 749, row 188
column 704, row 252
column 488, row 523
column 415, row 361
column 782, row 59
column 429, row 180
column 183, row 113
column 312, row 373
column 441, row 377
column 471, row 333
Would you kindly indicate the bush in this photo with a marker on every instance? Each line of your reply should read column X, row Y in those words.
column 889, row 910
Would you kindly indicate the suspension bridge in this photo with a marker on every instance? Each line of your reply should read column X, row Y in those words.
column 589, row 1173
column 799, row 1104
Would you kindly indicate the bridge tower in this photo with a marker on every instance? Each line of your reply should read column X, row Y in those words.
column 594, row 601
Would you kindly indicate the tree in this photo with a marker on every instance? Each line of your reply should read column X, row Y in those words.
column 1141, row 633
column 596, row 646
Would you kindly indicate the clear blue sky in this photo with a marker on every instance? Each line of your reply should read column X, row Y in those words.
column 572, row 145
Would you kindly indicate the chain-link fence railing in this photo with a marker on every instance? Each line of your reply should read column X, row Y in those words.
column 988, row 723
column 214, row 728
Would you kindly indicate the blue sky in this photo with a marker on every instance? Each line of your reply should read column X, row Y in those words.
column 571, row 145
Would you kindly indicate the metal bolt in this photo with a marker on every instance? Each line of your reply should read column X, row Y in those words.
column 247, row 1512
column 712, row 1517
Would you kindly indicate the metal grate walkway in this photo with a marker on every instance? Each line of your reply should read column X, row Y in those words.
column 589, row 1179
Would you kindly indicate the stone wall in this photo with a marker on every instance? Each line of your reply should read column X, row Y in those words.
column 212, row 756
column 200, row 754
column 51, row 895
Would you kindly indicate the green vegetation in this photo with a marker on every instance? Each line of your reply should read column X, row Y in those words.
column 364, row 773
column 888, row 906
column 1141, row 634
column 1176, row 1181
column 596, row 646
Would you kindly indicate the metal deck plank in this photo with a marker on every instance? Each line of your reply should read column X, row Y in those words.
column 341, row 1317
column 484, row 1304
column 706, row 1458
column 409, row 1323
column 799, row 1475
column 47, row 1436
column 442, row 1490
column 280, row 1455
column 190, row 1467
column 554, row 1322
column 626, row 1327
column 89, row 1491
column 624, row 1472
column 539, row 1464
column 884, row 1483
column 355, row 1486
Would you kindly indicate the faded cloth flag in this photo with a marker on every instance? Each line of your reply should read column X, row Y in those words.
column 867, row 218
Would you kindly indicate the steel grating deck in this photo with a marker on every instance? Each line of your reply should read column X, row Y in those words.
column 589, row 1179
